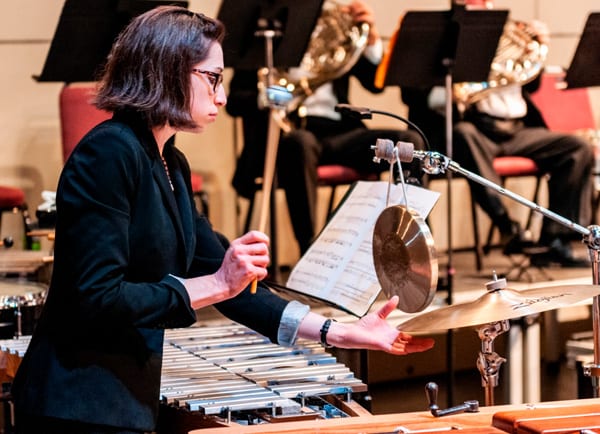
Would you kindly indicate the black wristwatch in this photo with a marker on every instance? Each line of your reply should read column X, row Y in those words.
column 324, row 330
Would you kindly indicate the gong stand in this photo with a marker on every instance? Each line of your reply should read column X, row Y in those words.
column 436, row 163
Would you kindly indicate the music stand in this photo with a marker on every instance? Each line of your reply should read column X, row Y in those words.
column 430, row 44
column 435, row 48
column 585, row 66
column 441, row 47
column 257, row 37
column 242, row 48
column 85, row 33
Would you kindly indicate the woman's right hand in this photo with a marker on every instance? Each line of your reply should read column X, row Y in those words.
column 245, row 260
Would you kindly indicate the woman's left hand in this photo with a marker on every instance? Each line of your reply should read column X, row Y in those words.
column 375, row 333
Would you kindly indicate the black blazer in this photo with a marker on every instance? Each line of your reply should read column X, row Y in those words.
column 121, row 235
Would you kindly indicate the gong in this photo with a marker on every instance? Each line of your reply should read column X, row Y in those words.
column 405, row 258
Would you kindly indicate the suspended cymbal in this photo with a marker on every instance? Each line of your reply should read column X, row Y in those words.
column 500, row 304
column 405, row 258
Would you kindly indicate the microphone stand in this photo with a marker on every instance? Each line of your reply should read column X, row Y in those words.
column 449, row 263
column 275, row 99
column 435, row 163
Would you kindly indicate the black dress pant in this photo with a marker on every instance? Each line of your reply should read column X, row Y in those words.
column 568, row 159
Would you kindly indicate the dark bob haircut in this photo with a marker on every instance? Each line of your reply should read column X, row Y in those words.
column 149, row 66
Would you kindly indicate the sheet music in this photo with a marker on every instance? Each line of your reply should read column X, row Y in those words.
column 339, row 267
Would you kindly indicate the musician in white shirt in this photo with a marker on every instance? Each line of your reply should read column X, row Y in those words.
column 505, row 122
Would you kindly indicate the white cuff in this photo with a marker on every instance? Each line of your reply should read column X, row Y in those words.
column 292, row 316
column 374, row 53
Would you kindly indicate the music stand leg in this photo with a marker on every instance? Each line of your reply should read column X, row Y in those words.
column 515, row 364
column 532, row 356
column 450, row 266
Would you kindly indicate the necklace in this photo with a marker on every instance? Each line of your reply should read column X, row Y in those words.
column 167, row 172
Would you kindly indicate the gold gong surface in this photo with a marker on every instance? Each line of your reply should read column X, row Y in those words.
column 405, row 258
column 498, row 305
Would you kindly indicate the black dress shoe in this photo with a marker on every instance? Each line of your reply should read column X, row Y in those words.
column 516, row 241
column 558, row 253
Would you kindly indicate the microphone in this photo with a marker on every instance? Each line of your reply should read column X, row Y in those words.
column 367, row 113
column 7, row 242
column 354, row 111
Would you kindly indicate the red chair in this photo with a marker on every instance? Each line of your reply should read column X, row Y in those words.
column 570, row 111
column 567, row 110
column 78, row 116
column 331, row 176
column 506, row 167
column 335, row 175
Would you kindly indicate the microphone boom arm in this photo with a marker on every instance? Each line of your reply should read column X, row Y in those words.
column 436, row 163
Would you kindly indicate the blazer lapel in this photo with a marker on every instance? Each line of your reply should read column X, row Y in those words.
column 160, row 176
column 185, row 213
column 177, row 205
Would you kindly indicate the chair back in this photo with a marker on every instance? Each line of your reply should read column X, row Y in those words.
column 77, row 114
column 565, row 110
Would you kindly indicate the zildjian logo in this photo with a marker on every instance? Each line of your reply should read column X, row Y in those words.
column 532, row 301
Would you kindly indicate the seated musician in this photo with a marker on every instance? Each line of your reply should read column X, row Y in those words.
column 319, row 136
column 506, row 122
column 133, row 256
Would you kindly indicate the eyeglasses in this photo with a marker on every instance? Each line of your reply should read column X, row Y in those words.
column 215, row 78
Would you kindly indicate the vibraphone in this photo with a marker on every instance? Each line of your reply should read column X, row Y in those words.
column 228, row 374
column 227, row 379
column 236, row 375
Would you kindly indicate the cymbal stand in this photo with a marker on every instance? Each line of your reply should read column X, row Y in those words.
column 489, row 361
column 436, row 163
column 592, row 370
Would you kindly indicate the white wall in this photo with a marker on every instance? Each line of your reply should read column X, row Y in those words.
column 30, row 155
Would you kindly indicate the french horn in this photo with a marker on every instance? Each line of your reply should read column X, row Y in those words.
column 335, row 46
column 519, row 58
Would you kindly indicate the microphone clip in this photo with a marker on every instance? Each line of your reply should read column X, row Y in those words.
column 353, row 111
